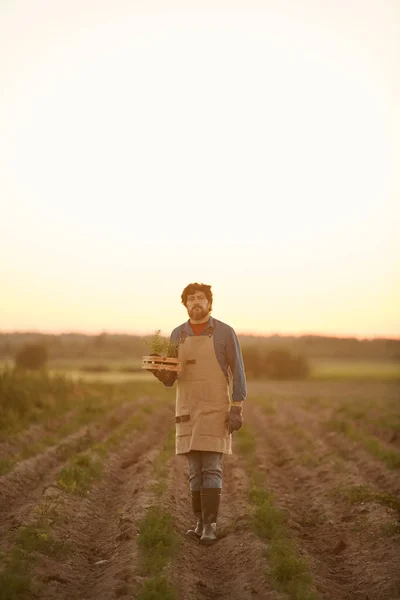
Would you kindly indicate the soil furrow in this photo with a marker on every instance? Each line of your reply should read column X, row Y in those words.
column 359, row 460
column 102, row 527
column 372, row 407
column 345, row 561
column 234, row 567
column 33, row 435
column 23, row 488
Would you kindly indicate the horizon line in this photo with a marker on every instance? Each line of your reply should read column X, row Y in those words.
column 237, row 331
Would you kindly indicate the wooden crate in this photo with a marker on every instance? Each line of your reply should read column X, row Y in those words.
column 166, row 363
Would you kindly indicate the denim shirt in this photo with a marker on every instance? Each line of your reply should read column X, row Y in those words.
column 227, row 350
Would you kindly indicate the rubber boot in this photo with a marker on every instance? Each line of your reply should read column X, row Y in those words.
column 196, row 505
column 210, row 500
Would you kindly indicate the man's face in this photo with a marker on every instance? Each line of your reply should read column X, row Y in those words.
column 197, row 306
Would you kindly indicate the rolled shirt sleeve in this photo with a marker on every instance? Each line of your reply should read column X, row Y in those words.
column 235, row 362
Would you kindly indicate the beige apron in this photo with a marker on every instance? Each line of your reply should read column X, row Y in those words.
column 202, row 399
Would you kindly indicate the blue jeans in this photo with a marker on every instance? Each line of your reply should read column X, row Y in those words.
column 205, row 469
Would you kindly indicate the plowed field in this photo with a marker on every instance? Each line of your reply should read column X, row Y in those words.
column 72, row 506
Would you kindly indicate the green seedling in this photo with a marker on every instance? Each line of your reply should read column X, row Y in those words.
column 157, row 540
column 79, row 475
column 156, row 588
column 287, row 569
column 161, row 345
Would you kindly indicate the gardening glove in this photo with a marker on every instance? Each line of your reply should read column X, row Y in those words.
column 166, row 377
column 235, row 418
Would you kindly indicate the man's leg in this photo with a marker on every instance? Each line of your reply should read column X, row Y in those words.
column 195, row 483
column 211, row 468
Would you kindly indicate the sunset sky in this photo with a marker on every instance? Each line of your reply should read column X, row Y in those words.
column 250, row 145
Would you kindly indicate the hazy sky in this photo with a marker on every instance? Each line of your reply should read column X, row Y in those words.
column 252, row 146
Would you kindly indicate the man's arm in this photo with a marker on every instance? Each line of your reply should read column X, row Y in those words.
column 235, row 361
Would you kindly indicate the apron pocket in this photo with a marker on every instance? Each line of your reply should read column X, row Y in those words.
column 183, row 422
column 213, row 422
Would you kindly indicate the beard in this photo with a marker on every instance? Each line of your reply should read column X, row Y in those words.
column 198, row 313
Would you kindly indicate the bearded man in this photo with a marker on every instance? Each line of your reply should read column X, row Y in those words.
column 205, row 415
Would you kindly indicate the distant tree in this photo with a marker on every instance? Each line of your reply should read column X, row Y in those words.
column 281, row 364
column 253, row 358
column 31, row 356
column 100, row 340
column 275, row 363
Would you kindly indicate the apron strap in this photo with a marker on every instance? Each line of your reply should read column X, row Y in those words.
column 210, row 330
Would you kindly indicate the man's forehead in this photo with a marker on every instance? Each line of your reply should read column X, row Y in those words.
column 196, row 293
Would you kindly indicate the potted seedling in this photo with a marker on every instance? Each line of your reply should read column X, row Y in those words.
column 160, row 357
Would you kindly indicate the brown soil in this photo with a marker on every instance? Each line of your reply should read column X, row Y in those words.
column 23, row 488
column 233, row 568
column 306, row 467
column 101, row 529
column 38, row 433
column 309, row 471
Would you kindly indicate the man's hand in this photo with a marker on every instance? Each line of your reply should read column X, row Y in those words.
column 162, row 374
column 235, row 418
column 156, row 372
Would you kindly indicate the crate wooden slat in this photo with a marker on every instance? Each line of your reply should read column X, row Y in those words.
column 166, row 363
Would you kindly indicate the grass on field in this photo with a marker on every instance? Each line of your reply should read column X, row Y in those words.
column 354, row 369
column 321, row 369
column 157, row 540
column 287, row 568
column 158, row 543
column 78, row 476
column 111, row 370
column 156, row 536
column 17, row 573
column 362, row 493
column 108, row 377
column 30, row 398
column 374, row 446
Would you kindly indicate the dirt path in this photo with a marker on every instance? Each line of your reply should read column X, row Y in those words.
column 101, row 529
column 233, row 568
column 346, row 559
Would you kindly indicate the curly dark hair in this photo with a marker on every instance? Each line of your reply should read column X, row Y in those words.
column 197, row 287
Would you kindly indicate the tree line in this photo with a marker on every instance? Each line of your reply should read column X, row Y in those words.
column 119, row 346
